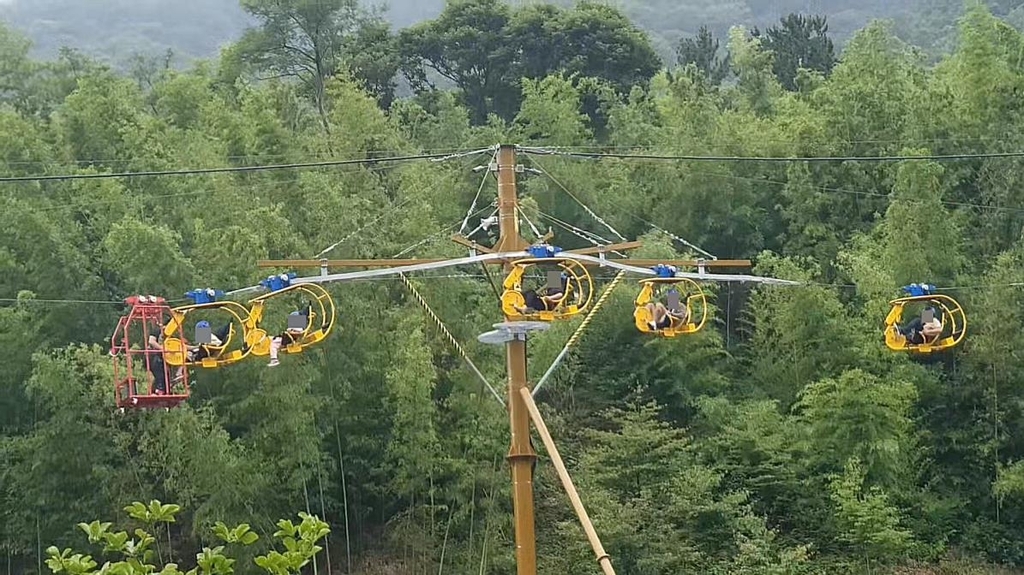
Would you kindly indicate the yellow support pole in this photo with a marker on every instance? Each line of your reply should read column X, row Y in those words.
column 521, row 454
column 602, row 557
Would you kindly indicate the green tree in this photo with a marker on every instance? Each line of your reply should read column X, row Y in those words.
column 485, row 48
column 467, row 45
column 869, row 522
column 702, row 51
column 752, row 65
column 800, row 42
column 859, row 415
column 311, row 40
column 16, row 66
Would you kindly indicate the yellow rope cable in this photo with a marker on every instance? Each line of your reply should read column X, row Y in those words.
column 448, row 334
column 597, row 306
column 579, row 330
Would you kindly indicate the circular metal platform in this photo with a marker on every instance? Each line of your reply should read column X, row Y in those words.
column 511, row 330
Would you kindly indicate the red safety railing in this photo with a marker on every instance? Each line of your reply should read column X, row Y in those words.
column 137, row 342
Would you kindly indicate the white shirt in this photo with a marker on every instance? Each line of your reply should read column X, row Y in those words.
column 932, row 328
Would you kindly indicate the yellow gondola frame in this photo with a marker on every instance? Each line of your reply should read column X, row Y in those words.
column 954, row 325
column 326, row 313
column 175, row 349
column 575, row 300
column 695, row 298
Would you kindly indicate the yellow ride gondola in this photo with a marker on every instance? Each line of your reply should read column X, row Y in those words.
column 318, row 321
column 569, row 289
column 209, row 352
column 678, row 317
column 950, row 331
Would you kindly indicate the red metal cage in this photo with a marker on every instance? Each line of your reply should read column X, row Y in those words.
column 161, row 385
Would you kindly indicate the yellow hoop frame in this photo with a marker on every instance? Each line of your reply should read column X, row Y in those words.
column 954, row 325
column 642, row 316
column 580, row 285
column 260, row 345
column 174, row 348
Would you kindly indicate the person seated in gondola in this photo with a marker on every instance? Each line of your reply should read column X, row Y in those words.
column 546, row 299
column 217, row 338
column 669, row 314
column 923, row 329
column 298, row 321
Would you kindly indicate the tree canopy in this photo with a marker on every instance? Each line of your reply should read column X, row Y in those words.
column 782, row 438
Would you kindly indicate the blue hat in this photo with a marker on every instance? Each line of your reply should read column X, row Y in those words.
column 203, row 323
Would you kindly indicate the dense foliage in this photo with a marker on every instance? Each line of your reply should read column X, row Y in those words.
column 783, row 439
column 116, row 30
column 141, row 551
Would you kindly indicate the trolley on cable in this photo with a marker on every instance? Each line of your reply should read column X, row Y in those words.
column 307, row 326
column 683, row 311
column 942, row 324
column 568, row 291
column 212, row 347
column 144, row 376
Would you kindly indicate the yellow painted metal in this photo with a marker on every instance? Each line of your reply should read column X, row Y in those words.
column 696, row 307
column 521, row 455
column 218, row 356
column 575, row 300
column 563, row 473
column 314, row 333
column 954, row 325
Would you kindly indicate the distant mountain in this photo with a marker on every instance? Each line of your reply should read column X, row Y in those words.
column 114, row 30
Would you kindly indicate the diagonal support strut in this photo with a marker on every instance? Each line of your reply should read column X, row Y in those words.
column 538, row 422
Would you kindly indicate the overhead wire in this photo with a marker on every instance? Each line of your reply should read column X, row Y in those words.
column 479, row 191
column 528, row 150
column 443, row 231
column 391, row 211
column 533, row 228
column 594, row 239
column 306, row 155
column 248, row 186
column 585, row 207
column 394, row 209
column 405, row 251
column 814, row 186
column 787, row 159
column 574, row 197
column 236, row 169
column 865, row 193
column 901, row 141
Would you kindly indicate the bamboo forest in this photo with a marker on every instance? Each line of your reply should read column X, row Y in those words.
column 796, row 191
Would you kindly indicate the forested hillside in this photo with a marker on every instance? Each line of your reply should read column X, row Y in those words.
column 782, row 439
column 116, row 30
